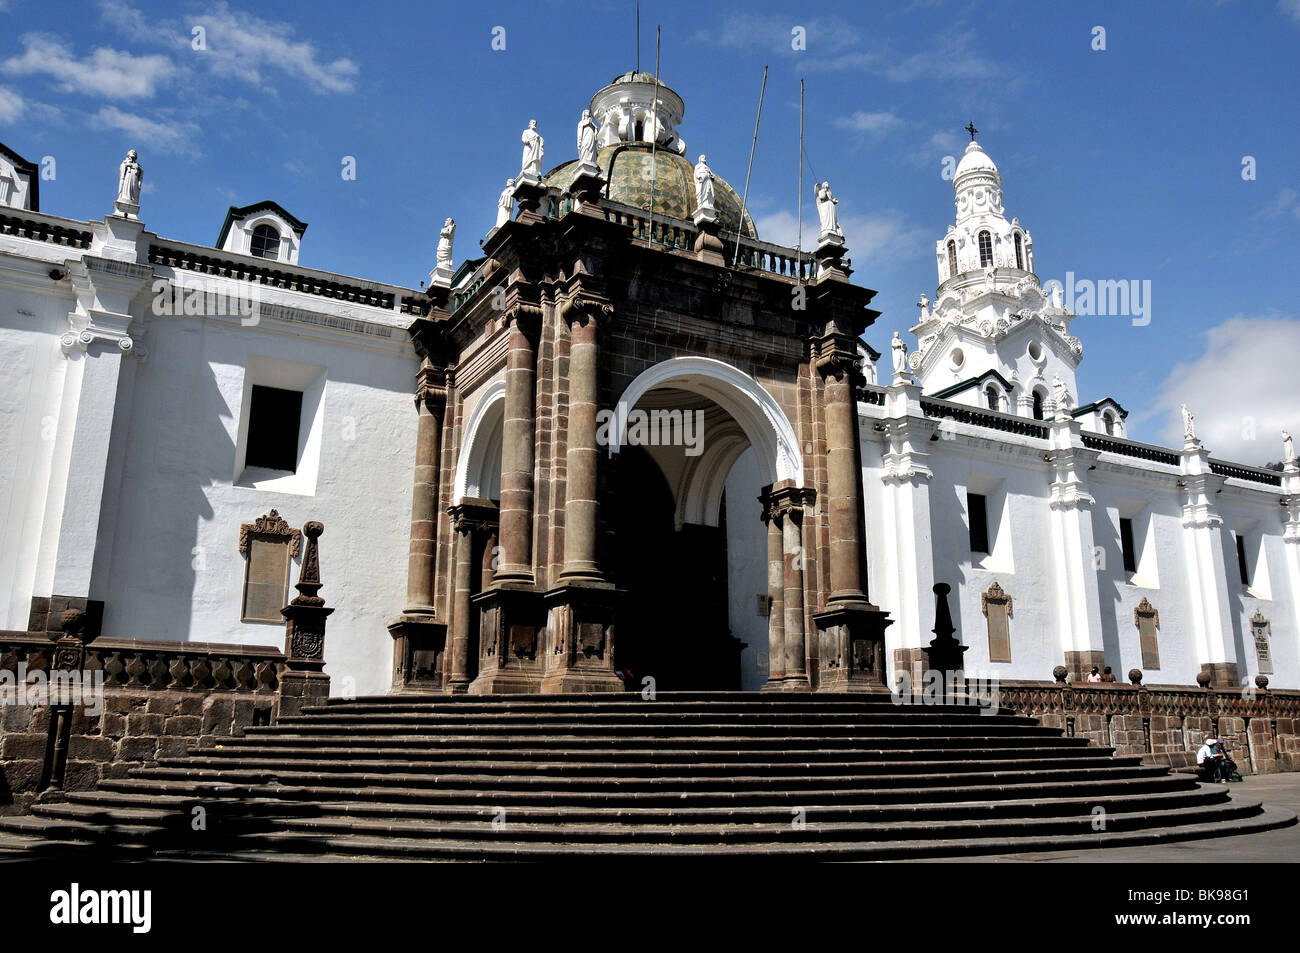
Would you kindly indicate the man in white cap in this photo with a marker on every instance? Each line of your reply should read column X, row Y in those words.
column 1210, row 759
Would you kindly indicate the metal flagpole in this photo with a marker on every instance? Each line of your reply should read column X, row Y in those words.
column 744, row 202
column 798, row 248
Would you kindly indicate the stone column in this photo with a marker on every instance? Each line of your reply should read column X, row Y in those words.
column 843, row 479
column 430, row 404
column 850, row 630
column 517, row 452
column 789, row 503
column 1078, row 602
column 581, row 513
column 472, row 520
column 83, row 483
column 906, row 523
column 458, row 677
column 1207, row 548
column 416, row 634
column 776, row 594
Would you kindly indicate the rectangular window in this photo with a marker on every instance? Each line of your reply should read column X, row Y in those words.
column 979, row 522
column 1241, row 559
column 1126, row 544
column 273, row 423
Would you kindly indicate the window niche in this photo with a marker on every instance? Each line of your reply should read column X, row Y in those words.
column 1147, row 620
column 1261, row 630
column 268, row 545
column 996, row 606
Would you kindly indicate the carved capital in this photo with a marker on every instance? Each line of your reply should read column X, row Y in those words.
column 786, row 501
column 472, row 515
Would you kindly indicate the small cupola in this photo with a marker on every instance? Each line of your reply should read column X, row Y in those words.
column 264, row 230
column 20, row 181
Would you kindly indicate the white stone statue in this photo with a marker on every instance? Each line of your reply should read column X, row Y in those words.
column 826, row 203
column 1288, row 448
column 587, row 135
column 534, row 150
column 130, row 177
column 924, row 304
column 1189, row 425
column 1059, row 394
column 899, row 348
column 506, row 203
column 445, row 239
column 704, row 198
column 1056, row 297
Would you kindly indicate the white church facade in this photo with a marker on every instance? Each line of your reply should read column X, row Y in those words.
column 166, row 404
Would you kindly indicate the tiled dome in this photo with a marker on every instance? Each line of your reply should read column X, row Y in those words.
column 627, row 170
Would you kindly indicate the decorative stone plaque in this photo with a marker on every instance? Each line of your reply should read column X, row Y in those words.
column 996, row 606
column 1261, row 629
column 1147, row 620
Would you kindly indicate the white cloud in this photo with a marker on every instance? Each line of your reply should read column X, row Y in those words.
column 108, row 73
column 885, row 234
column 11, row 105
column 1290, row 8
column 1243, row 389
column 1286, row 201
column 148, row 135
column 876, row 125
column 822, row 35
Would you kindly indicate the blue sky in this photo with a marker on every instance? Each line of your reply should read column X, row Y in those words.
column 1124, row 163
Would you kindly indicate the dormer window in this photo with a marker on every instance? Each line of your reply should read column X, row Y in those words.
column 1108, row 421
column 1020, row 253
column 991, row 397
column 952, row 259
column 986, row 249
column 266, row 243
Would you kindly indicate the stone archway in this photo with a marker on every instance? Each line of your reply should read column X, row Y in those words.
column 699, row 585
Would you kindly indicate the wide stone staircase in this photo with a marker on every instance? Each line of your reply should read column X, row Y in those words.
column 694, row 774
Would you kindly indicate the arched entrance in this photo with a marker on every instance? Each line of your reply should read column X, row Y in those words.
column 697, row 443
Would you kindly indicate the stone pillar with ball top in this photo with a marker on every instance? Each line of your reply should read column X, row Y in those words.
column 304, row 680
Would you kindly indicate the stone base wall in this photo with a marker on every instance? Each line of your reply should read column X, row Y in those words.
column 1166, row 724
column 134, row 702
column 134, row 729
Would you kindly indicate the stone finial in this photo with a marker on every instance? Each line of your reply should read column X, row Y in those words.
column 73, row 623
column 1203, row 679
column 1261, row 682
column 1060, row 673
column 306, row 613
column 1135, row 676
column 945, row 652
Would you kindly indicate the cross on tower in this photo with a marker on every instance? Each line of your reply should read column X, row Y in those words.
column 971, row 129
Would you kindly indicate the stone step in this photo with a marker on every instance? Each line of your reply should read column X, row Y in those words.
column 835, row 841
column 1005, row 774
column 979, row 760
column 814, row 828
column 667, row 727
column 870, row 755
column 88, row 805
column 1094, row 785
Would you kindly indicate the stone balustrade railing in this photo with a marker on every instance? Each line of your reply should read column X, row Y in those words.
column 41, row 229
column 1167, row 723
column 1241, row 471
column 995, row 420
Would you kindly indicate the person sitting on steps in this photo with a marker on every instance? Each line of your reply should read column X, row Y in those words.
column 1213, row 761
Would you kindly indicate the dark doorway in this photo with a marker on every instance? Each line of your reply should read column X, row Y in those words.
column 672, row 624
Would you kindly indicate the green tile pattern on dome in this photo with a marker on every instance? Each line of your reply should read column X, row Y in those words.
column 674, row 186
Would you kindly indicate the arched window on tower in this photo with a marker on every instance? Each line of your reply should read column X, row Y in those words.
column 991, row 397
column 1038, row 405
column 986, row 249
column 1020, row 253
column 952, row 259
column 1108, row 421
column 266, row 242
